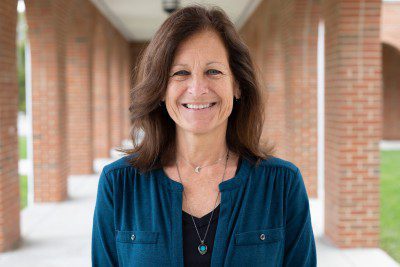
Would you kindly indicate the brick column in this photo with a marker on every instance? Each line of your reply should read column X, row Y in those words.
column 274, row 79
column 299, row 25
column 135, row 50
column 126, row 77
column 46, row 21
column 115, row 90
column 282, row 37
column 353, row 122
column 101, row 90
column 127, row 71
column 9, row 179
column 79, row 88
column 270, row 60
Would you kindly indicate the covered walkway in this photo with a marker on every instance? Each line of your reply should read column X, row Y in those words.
column 328, row 68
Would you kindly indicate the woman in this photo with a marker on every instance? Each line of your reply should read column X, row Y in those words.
column 199, row 189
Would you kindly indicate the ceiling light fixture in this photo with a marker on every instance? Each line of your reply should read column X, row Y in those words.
column 170, row 6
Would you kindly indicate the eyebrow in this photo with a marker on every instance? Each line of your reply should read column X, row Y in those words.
column 209, row 63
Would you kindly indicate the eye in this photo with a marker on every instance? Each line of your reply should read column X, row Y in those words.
column 214, row 72
column 181, row 73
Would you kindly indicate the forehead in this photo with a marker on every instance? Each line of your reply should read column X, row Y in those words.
column 205, row 45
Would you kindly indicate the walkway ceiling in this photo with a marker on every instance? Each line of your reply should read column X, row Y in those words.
column 139, row 20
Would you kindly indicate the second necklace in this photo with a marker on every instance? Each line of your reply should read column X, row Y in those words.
column 202, row 247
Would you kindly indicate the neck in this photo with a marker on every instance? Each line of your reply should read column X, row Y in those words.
column 201, row 149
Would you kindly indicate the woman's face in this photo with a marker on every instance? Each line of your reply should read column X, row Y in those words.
column 201, row 87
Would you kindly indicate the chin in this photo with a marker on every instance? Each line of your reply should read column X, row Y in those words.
column 199, row 129
column 202, row 127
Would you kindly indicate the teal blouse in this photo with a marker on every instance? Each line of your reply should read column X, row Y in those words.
column 264, row 218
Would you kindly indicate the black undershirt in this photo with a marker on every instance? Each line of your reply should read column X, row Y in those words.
column 191, row 255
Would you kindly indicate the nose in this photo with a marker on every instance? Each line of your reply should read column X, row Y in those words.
column 198, row 85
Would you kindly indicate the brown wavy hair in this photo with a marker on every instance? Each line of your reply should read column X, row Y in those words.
column 157, row 148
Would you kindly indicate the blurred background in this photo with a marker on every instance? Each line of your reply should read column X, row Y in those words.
column 330, row 73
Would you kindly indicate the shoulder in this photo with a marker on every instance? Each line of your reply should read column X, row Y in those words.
column 275, row 162
column 279, row 170
column 119, row 164
column 287, row 174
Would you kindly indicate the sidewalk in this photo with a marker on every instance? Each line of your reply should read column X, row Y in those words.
column 330, row 256
column 60, row 234
column 57, row 234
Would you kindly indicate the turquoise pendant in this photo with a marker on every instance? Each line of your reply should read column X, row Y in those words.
column 202, row 248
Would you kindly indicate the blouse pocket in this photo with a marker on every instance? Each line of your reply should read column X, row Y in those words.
column 263, row 247
column 140, row 248
column 259, row 237
column 144, row 237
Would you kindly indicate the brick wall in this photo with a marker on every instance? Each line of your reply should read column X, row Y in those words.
column 9, row 179
column 282, row 37
column 135, row 50
column 299, row 24
column 76, row 68
column 272, row 68
column 115, row 89
column 124, row 89
column 79, row 87
column 101, row 89
column 352, row 122
column 47, row 31
column 72, row 45
column 127, row 63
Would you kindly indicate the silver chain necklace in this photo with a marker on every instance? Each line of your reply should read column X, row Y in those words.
column 202, row 247
column 198, row 168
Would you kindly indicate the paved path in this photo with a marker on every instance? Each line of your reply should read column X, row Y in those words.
column 330, row 256
column 57, row 234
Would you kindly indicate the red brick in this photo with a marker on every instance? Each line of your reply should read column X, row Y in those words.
column 10, row 232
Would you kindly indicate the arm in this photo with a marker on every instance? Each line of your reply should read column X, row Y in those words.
column 104, row 252
column 299, row 238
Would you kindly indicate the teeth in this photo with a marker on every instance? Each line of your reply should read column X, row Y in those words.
column 198, row 106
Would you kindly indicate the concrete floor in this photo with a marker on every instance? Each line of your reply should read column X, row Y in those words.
column 330, row 256
column 60, row 234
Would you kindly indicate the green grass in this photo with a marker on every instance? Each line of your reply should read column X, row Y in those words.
column 23, row 190
column 23, row 186
column 22, row 147
column 390, row 203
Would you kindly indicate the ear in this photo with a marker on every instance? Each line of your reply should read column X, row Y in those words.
column 236, row 90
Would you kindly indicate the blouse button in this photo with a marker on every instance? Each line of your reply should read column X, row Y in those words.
column 262, row 236
column 133, row 237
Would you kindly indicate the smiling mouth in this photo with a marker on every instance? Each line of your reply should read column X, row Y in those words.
column 197, row 107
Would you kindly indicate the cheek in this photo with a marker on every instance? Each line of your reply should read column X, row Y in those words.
column 174, row 91
column 227, row 108
column 226, row 96
column 171, row 97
